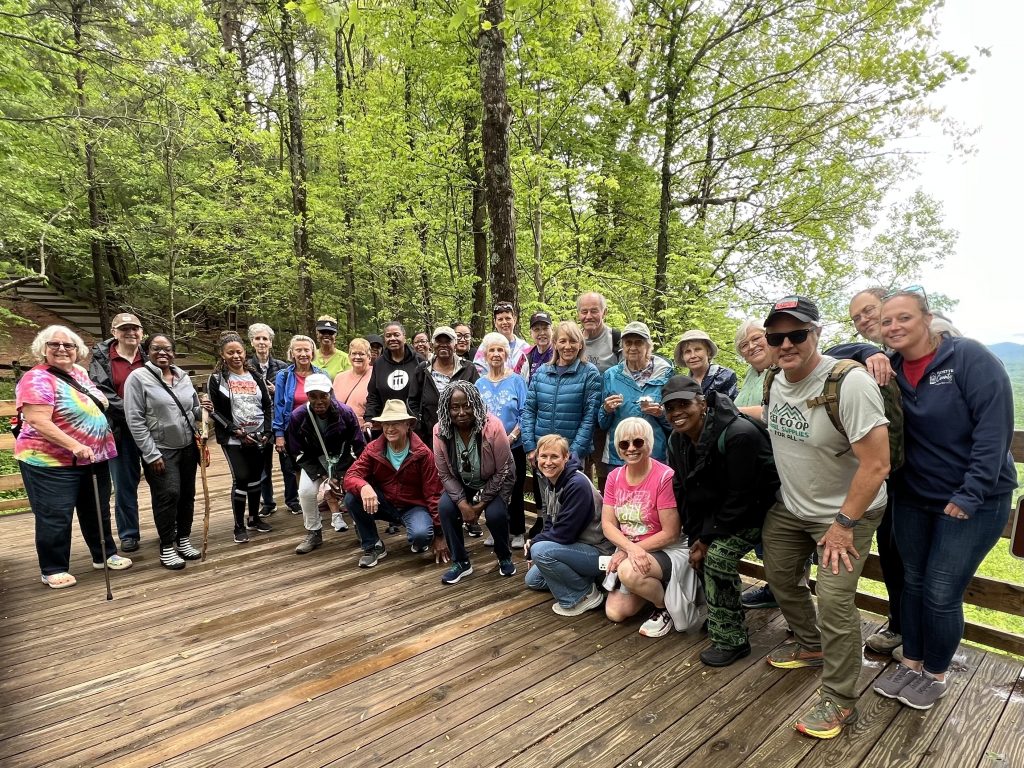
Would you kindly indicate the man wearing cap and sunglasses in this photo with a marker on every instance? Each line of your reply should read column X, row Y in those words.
column 111, row 362
column 505, row 324
column 833, row 498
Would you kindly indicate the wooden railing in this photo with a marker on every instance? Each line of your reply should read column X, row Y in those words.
column 983, row 592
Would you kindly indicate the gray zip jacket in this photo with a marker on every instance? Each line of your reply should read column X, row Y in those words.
column 153, row 418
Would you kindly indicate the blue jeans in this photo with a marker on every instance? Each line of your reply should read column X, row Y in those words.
column 55, row 493
column 568, row 570
column 497, row 523
column 125, row 471
column 940, row 556
column 419, row 527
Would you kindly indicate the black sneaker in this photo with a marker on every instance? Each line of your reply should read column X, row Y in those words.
column 259, row 526
column 723, row 657
column 474, row 530
column 295, row 508
column 241, row 537
column 266, row 511
column 129, row 544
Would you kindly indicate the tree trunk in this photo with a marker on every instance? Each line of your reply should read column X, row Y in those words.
column 668, row 145
column 297, row 170
column 497, row 174
column 478, row 222
column 347, row 263
column 92, row 186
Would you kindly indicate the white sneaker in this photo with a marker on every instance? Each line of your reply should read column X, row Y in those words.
column 592, row 600
column 658, row 625
column 338, row 522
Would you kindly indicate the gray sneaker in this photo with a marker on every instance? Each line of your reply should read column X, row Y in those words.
column 313, row 540
column 370, row 558
column 518, row 541
column 895, row 679
column 923, row 692
column 884, row 641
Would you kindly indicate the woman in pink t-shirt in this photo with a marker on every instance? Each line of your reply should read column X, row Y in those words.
column 640, row 518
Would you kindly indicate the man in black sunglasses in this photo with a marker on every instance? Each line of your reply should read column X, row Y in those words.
column 833, row 498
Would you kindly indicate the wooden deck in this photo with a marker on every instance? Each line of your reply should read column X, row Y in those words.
column 259, row 657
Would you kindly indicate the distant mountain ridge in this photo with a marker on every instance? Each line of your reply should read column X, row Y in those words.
column 1008, row 352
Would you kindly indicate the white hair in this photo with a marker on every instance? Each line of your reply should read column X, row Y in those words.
column 39, row 342
column 261, row 328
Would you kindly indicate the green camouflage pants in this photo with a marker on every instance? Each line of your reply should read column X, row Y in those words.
column 726, row 625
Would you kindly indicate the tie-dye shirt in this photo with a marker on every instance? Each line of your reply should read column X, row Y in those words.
column 74, row 414
column 637, row 506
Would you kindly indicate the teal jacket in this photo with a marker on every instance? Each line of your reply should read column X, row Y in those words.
column 618, row 381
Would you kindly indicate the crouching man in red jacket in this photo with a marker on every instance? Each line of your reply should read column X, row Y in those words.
column 395, row 480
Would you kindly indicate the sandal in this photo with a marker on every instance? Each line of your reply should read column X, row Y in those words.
column 59, row 580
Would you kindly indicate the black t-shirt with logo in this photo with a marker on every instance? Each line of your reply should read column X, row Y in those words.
column 390, row 381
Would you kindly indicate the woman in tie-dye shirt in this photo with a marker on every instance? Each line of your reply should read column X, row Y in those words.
column 65, row 441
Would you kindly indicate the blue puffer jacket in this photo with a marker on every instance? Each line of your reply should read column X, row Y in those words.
column 563, row 403
column 284, row 398
column 958, row 427
column 618, row 381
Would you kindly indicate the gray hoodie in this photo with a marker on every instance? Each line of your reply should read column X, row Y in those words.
column 153, row 417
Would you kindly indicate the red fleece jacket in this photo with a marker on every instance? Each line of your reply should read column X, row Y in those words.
column 414, row 484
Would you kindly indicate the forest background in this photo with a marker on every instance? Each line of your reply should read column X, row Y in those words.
column 275, row 161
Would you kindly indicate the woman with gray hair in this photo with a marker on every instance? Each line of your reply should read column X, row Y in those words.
column 752, row 347
column 63, row 443
column 695, row 352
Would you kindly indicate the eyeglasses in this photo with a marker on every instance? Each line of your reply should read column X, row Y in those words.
column 168, row 350
column 463, row 336
column 797, row 337
column 55, row 345
column 466, row 466
column 636, row 442
column 868, row 312
column 747, row 343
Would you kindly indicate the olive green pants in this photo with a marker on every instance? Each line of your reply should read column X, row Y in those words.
column 788, row 541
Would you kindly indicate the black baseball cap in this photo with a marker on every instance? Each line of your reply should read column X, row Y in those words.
column 374, row 338
column 540, row 318
column 800, row 307
column 327, row 325
column 680, row 387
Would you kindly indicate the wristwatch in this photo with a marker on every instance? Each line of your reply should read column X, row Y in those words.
column 846, row 522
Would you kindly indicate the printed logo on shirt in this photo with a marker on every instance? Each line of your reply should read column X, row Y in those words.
column 788, row 421
column 398, row 379
column 941, row 377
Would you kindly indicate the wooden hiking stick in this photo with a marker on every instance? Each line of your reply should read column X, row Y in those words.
column 204, row 436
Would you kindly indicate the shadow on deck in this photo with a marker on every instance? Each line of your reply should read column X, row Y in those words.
column 259, row 657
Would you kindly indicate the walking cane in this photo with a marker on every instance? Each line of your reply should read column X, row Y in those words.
column 206, row 484
column 103, row 538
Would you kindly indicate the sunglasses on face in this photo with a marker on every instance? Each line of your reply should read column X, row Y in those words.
column 797, row 337
column 636, row 442
column 910, row 290
column 55, row 345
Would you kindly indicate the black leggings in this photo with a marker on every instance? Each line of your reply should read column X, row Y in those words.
column 246, row 463
column 516, row 510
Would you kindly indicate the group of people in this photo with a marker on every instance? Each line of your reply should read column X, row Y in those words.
column 650, row 484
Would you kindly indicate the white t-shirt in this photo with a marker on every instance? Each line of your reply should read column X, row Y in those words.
column 814, row 480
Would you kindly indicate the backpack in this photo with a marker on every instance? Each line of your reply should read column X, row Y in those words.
column 892, row 400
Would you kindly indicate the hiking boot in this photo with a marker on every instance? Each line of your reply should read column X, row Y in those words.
column 658, row 625
column 723, row 657
column 371, row 557
column 186, row 550
column 313, row 540
column 241, row 537
column 885, row 641
column 591, row 600
column 923, row 692
column 825, row 720
column 506, row 568
column 454, row 574
column 793, row 656
column 761, row 597
column 171, row 559
column 895, row 680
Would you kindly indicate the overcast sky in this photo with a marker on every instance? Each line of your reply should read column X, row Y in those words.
column 982, row 193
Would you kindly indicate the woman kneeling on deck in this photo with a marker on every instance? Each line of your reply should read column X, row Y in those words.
column 640, row 518
column 566, row 543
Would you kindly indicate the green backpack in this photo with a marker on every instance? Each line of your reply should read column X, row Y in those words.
column 892, row 400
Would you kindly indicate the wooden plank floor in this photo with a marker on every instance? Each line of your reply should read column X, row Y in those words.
column 259, row 657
